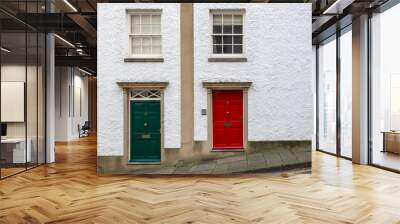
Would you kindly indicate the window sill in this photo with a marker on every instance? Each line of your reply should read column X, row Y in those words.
column 143, row 59
column 227, row 59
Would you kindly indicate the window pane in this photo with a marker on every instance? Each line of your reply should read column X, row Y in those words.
column 238, row 40
column 135, row 29
column 227, row 40
column 146, row 45
column 146, row 49
column 237, row 49
column 217, row 49
column 217, row 20
column 237, row 20
column 156, row 41
column 13, row 159
column 146, row 29
column 135, row 19
column 327, row 96
column 136, row 50
column 217, row 29
column 227, row 49
column 394, row 101
column 346, row 94
column 136, row 45
column 145, row 19
column 385, row 88
column 156, row 29
column 217, row 40
column 227, row 29
column 228, row 20
column 156, row 19
column 136, row 41
column 31, row 100
column 146, row 41
column 238, row 29
column 156, row 50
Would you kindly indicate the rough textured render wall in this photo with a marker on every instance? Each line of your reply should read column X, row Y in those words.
column 277, row 44
column 112, row 48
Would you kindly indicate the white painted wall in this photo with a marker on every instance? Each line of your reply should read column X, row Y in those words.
column 67, row 115
column 62, row 81
column 277, row 39
column 81, row 108
column 113, row 42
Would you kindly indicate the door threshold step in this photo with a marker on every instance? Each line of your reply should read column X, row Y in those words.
column 144, row 163
column 227, row 150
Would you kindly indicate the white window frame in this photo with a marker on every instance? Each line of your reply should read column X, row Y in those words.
column 241, row 12
column 131, row 13
column 145, row 94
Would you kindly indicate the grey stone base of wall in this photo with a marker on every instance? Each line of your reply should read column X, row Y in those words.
column 258, row 157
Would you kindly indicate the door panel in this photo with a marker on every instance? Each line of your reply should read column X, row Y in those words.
column 145, row 131
column 227, row 119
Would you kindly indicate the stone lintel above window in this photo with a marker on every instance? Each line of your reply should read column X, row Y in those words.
column 144, row 85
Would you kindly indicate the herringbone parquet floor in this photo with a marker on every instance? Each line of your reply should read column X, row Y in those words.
column 69, row 191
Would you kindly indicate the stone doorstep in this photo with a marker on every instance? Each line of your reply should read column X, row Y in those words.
column 230, row 159
column 256, row 164
column 221, row 168
column 258, row 160
column 267, row 160
column 161, row 170
column 203, row 166
column 237, row 166
column 256, row 156
column 166, row 171
column 182, row 170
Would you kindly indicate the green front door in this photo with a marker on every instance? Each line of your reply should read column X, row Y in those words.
column 145, row 131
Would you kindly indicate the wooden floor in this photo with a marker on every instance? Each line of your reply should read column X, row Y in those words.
column 5, row 172
column 69, row 191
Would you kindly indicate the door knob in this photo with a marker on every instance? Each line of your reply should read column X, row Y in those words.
column 145, row 124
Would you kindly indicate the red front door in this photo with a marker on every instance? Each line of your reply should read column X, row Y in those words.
column 227, row 107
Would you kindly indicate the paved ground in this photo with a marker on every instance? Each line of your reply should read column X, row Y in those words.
column 267, row 160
